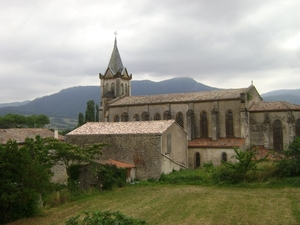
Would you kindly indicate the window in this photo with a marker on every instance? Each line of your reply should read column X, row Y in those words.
column 136, row 117
column 167, row 115
column 169, row 143
column 197, row 160
column 112, row 88
column 106, row 88
column 122, row 89
column 298, row 128
column 203, row 125
column 229, row 124
column 124, row 117
column 157, row 116
column 277, row 136
column 145, row 116
column 126, row 89
column 179, row 119
column 116, row 118
column 223, row 157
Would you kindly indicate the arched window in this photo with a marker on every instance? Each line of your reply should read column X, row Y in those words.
column 144, row 116
column 157, row 116
column 136, row 117
column 122, row 89
column 124, row 117
column 297, row 128
column 126, row 89
column 106, row 89
column 116, row 118
column 179, row 119
column 167, row 115
column 203, row 125
column 223, row 157
column 112, row 88
column 277, row 136
column 229, row 124
column 197, row 160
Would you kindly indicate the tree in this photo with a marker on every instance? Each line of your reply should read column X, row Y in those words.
column 24, row 178
column 90, row 111
column 290, row 163
column 80, row 120
column 236, row 172
column 70, row 154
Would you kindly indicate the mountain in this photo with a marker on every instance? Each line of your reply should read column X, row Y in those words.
column 292, row 96
column 63, row 107
column 68, row 103
column 13, row 104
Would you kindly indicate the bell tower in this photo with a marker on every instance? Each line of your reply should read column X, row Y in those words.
column 115, row 82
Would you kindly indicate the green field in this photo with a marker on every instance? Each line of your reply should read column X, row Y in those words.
column 186, row 204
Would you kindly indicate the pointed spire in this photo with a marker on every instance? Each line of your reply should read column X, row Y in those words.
column 115, row 62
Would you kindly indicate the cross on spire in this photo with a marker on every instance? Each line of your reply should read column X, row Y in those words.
column 115, row 33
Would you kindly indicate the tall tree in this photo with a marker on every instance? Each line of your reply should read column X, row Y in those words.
column 90, row 111
column 80, row 119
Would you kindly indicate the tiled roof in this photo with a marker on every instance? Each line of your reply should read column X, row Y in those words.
column 222, row 142
column 180, row 97
column 273, row 106
column 20, row 134
column 135, row 127
column 118, row 164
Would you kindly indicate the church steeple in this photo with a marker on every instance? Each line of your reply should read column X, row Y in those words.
column 115, row 82
column 115, row 62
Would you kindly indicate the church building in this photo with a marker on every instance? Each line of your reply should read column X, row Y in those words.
column 215, row 121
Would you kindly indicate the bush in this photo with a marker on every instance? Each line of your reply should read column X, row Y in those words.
column 290, row 164
column 110, row 176
column 103, row 217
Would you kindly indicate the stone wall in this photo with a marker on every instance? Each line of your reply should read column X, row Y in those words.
column 144, row 151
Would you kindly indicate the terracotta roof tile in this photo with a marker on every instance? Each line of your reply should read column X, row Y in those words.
column 180, row 97
column 222, row 142
column 20, row 134
column 134, row 127
column 118, row 164
column 274, row 106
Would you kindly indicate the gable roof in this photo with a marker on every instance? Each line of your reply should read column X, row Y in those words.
column 274, row 106
column 134, row 127
column 20, row 134
column 180, row 97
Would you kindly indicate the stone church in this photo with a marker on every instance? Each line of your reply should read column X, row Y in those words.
column 215, row 121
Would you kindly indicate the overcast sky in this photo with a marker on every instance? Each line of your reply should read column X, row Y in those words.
column 46, row 46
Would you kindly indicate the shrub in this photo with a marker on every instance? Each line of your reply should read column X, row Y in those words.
column 290, row 164
column 110, row 176
column 103, row 217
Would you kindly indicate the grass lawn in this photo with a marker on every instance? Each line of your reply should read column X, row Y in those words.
column 186, row 204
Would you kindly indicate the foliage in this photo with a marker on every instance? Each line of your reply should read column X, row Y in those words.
column 70, row 154
column 15, row 120
column 290, row 164
column 97, row 113
column 80, row 119
column 103, row 217
column 236, row 172
column 90, row 115
column 110, row 175
column 24, row 178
